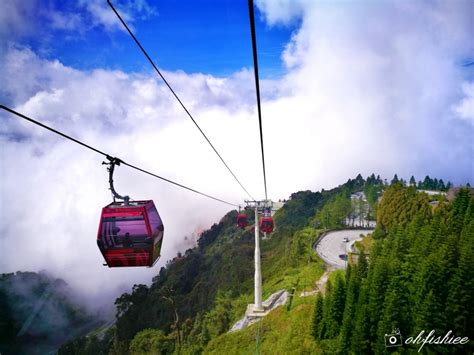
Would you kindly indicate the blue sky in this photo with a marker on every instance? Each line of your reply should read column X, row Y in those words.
column 209, row 36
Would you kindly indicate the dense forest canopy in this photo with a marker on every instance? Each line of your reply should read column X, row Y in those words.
column 419, row 278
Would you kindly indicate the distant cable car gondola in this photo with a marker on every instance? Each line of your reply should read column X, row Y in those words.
column 242, row 220
column 266, row 224
column 130, row 233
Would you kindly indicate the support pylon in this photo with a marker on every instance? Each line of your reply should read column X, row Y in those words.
column 258, row 271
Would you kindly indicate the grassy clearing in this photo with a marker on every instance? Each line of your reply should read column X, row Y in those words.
column 284, row 265
column 291, row 264
column 281, row 332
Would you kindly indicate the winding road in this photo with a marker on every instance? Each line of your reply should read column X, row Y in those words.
column 333, row 244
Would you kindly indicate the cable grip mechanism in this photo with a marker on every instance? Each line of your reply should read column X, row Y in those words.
column 112, row 162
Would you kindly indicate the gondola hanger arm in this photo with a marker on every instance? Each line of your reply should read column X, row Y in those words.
column 112, row 162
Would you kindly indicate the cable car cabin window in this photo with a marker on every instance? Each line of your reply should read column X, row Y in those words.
column 124, row 232
column 156, row 229
column 155, row 220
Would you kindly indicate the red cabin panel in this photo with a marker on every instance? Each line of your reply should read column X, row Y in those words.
column 242, row 220
column 127, row 257
column 266, row 224
column 130, row 235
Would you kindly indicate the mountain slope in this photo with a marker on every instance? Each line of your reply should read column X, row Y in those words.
column 197, row 297
column 38, row 313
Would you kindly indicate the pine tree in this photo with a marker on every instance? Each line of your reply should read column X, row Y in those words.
column 452, row 253
column 469, row 214
column 460, row 206
column 460, row 303
column 441, row 185
column 378, row 278
column 324, row 331
column 349, row 310
column 397, row 312
column 426, row 182
column 412, row 181
column 394, row 180
column 362, row 265
column 360, row 339
column 428, row 313
column 336, row 308
column 432, row 278
column 400, row 244
column 318, row 317
column 371, row 179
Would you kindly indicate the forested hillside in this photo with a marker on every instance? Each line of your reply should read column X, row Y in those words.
column 38, row 313
column 419, row 277
column 198, row 296
column 195, row 299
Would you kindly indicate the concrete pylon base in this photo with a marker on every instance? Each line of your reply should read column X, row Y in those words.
column 253, row 311
column 253, row 315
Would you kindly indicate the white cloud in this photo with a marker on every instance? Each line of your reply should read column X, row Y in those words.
column 281, row 11
column 102, row 14
column 66, row 21
column 126, row 115
column 13, row 15
column 384, row 77
column 465, row 108
column 370, row 88
column 40, row 19
column 34, row 18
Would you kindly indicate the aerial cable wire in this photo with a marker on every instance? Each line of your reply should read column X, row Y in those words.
column 111, row 158
column 175, row 95
column 257, row 87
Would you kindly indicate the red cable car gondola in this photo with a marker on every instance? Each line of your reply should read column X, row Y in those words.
column 266, row 224
column 130, row 233
column 242, row 220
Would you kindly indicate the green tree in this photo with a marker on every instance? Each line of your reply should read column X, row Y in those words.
column 460, row 206
column 394, row 180
column 327, row 302
column 334, row 212
column 400, row 205
column 151, row 341
column 360, row 340
column 317, row 317
column 379, row 277
column 441, row 185
column 349, row 308
column 372, row 194
column 336, row 308
column 396, row 312
column 460, row 303
column 218, row 319
column 362, row 266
